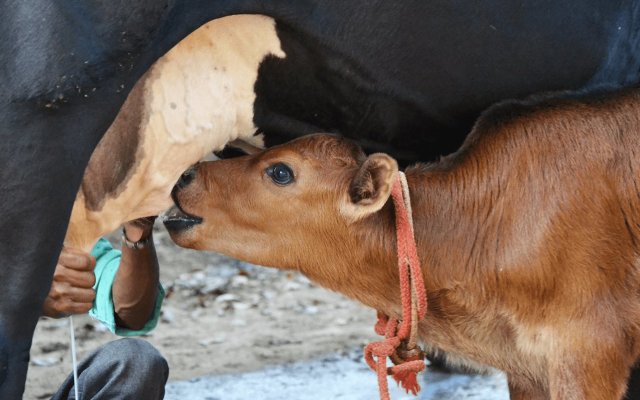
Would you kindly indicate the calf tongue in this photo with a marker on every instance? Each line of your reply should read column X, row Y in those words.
column 173, row 213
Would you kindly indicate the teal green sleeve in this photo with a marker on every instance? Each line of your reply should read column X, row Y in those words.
column 107, row 263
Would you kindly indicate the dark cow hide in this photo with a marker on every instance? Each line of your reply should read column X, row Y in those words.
column 408, row 77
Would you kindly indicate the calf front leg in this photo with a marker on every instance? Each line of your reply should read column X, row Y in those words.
column 525, row 389
column 593, row 372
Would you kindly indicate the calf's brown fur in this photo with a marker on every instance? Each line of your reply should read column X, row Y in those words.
column 528, row 236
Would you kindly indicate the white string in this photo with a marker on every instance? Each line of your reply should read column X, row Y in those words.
column 405, row 196
column 74, row 362
column 414, row 297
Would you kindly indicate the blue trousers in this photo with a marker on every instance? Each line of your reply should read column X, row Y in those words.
column 125, row 369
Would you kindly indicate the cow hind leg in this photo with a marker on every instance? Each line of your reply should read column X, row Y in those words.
column 26, row 269
column 31, row 243
column 43, row 162
column 633, row 385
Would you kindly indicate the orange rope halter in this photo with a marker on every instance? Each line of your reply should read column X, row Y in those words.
column 400, row 337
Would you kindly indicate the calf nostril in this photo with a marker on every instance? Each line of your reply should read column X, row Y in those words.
column 186, row 178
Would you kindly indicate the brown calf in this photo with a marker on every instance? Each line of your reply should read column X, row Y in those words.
column 528, row 236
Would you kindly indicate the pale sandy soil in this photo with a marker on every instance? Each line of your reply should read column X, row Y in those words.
column 234, row 331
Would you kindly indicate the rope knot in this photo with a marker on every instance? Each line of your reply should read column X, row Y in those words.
column 380, row 350
column 405, row 354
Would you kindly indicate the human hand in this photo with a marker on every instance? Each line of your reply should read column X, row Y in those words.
column 72, row 288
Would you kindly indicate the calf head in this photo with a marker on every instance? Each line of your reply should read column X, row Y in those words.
column 294, row 206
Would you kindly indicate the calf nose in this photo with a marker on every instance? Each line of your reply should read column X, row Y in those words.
column 186, row 178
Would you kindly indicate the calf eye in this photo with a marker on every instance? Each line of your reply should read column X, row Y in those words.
column 280, row 173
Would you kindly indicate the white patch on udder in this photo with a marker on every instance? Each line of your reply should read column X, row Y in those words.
column 212, row 89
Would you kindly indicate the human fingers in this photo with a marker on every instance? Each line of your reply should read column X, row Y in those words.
column 76, row 259
column 67, row 292
column 79, row 279
column 50, row 309
column 74, row 301
column 64, row 308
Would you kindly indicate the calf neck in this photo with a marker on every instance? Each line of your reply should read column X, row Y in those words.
column 528, row 235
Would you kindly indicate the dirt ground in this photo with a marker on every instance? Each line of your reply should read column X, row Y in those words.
column 220, row 316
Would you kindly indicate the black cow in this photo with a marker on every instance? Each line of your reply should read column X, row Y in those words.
column 407, row 77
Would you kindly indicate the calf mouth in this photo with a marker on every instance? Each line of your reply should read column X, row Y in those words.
column 176, row 219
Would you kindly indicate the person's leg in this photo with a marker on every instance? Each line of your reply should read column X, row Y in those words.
column 122, row 369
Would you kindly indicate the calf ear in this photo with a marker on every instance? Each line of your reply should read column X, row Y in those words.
column 370, row 187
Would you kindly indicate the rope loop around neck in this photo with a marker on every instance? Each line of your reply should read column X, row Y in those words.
column 401, row 336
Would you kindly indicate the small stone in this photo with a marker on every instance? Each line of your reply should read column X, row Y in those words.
column 98, row 327
column 241, row 306
column 225, row 271
column 198, row 276
column 167, row 315
column 46, row 361
column 227, row 297
column 269, row 294
column 214, row 285
column 238, row 322
column 218, row 338
column 304, row 281
column 292, row 286
column 215, row 339
column 255, row 300
column 51, row 325
column 239, row 281
column 310, row 310
column 55, row 346
column 253, row 283
column 266, row 312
